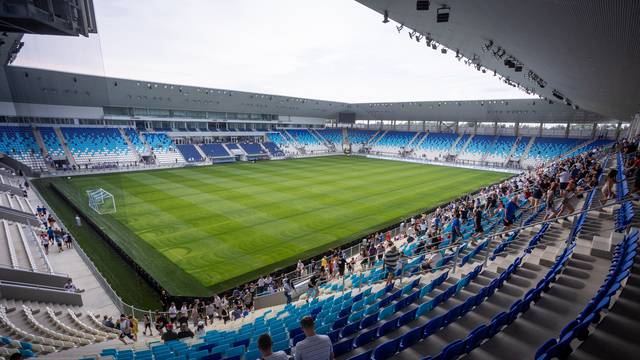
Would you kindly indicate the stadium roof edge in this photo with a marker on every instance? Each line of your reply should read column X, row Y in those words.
column 42, row 86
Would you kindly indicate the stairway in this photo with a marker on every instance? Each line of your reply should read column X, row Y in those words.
column 616, row 336
column 147, row 147
column 422, row 139
column 464, row 146
column 525, row 153
column 40, row 141
column 513, row 289
column 408, row 146
column 345, row 137
column 63, row 142
column 132, row 148
column 203, row 155
column 514, row 147
column 455, row 143
column 580, row 146
column 375, row 141
column 322, row 140
column 490, row 149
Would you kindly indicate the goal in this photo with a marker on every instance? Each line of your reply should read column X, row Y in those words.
column 101, row 201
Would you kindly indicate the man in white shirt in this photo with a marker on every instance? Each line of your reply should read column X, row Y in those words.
column 265, row 344
column 313, row 347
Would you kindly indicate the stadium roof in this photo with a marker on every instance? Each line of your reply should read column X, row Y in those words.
column 38, row 86
column 586, row 52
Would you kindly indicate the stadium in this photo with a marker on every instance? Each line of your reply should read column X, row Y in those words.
column 162, row 220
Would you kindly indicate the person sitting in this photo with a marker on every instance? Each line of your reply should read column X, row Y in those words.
column 314, row 346
column 170, row 334
column 185, row 332
column 265, row 345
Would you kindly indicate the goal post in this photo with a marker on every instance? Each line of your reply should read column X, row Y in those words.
column 101, row 201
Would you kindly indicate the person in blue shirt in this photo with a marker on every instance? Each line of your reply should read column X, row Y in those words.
column 510, row 212
column 456, row 233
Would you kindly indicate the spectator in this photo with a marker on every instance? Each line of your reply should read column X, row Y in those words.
column 124, row 325
column 147, row 325
column 169, row 335
column 185, row 332
column 391, row 258
column 161, row 322
column 134, row 327
column 265, row 345
column 313, row 347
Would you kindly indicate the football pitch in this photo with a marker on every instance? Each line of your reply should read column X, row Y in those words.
column 199, row 230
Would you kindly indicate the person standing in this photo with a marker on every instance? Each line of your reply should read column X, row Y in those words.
column 391, row 258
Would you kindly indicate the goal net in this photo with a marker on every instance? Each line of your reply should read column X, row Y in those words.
column 101, row 201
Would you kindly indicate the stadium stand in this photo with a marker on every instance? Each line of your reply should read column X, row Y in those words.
column 52, row 143
column 501, row 148
column 217, row 153
column 303, row 137
column 163, row 148
column 394, row 141
column 97, row 145
column 477, row 147
column 436, row 145
column 273, row 149
column 19, row 143
column 546, row 149
column 134, row 138
column 332, row 135
column 190, row 153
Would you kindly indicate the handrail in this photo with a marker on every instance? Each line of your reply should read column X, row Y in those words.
column 2, row 266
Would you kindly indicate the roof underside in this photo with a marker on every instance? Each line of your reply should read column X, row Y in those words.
column 586, row 50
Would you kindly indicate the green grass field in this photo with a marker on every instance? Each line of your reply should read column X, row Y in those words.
column 203, row 229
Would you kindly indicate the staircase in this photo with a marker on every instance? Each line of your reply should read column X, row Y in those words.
column 464, row 146
column 345, row 137
column 322, row 139
column 452, row 149
column 408, row 146
column 132, row 148
column 616, row 336
column 38, row 136
column 514, row 147
column 290, row 138
column 373, row 137
column 375, row 141
column 63, row 142
column 147, row 147
column 577, row 148
column 526, row 150
column 490, row 150
column 422, row 139
column 202, row 154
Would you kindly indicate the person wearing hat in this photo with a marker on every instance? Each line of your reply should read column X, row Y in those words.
column 170, row 334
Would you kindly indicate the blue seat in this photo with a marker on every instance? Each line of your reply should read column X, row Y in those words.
column 363, row 356
column 387, row 349
column 366, row 337
column 407, row 317
column 453, row 350
column 342, row 347
column 413, row 336
column 476, row 336
column 387, row 327
column 252, row 355
column 386, row 312
column 350, row 329
column 368, row 321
